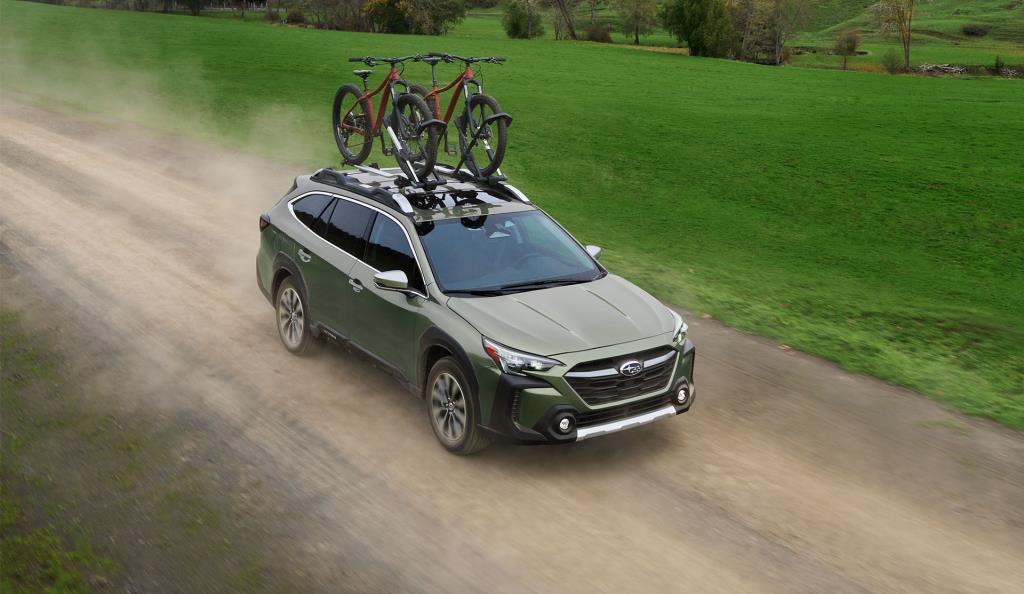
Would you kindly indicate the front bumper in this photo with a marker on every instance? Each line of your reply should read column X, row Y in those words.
column 528, row 409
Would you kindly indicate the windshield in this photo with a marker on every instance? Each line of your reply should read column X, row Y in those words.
column 503, row 253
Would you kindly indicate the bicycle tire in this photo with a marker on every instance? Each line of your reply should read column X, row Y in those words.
column 422, row 92
column 422, row 147
column 358, row 118
column 497, row 154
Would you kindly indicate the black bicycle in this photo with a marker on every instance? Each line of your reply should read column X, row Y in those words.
column 407, row 130
column 482, row 125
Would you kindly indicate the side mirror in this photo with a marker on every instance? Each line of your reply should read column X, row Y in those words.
column 392, row 280
column 594, row 251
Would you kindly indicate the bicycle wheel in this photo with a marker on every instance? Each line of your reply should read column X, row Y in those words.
column 420, row 145
column 421, row 91
column 352, row 129
column 489, row 149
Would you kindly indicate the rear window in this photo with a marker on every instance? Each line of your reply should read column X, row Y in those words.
column 307, row 209
column 347, row 227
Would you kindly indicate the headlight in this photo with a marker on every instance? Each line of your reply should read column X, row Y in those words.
column 679, row 333
column 515, row 362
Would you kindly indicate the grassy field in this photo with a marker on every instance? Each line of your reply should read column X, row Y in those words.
column 877, row 221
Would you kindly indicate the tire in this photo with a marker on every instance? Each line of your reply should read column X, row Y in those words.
column 354, row 139
column 421, row 92
column 410, row 111
column 488, row 160
column 294, row 330
column 444, row 405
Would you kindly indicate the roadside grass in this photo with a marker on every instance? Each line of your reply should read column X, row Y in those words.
column 876, row 221
column 89, row 494
column 38, row 552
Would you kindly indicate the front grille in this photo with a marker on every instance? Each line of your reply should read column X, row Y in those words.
column 625, row 411
column 602, row 389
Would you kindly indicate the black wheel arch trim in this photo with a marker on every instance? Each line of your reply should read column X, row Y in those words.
column 435, row 337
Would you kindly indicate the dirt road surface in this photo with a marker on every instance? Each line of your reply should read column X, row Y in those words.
column 789, row 475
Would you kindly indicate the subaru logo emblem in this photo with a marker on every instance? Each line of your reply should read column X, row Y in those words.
column 631, row 368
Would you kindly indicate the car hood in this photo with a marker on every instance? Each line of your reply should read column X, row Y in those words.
column 565, row 319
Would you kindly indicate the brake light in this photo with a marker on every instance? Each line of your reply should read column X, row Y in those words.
column 264, row 222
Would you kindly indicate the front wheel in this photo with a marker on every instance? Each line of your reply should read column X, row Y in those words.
column 418, row 152
column 489, row 149
column 352, row 129
column 454, row 414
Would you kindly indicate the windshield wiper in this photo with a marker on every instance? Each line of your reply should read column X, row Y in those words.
column 477, row 292
column 544, row 284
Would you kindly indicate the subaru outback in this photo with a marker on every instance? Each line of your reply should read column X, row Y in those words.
column 477, row 301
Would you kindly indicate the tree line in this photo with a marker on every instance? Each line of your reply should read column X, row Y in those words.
column 752, row 30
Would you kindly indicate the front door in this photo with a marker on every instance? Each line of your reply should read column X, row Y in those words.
column 387, row 323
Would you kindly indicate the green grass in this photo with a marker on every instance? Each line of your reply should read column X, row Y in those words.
column 870, row 219
column 38, row 552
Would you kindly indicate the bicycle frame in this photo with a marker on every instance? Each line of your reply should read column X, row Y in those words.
column 461, row 86
column 387, row 86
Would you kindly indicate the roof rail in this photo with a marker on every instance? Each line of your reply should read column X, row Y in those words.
column 340, row 179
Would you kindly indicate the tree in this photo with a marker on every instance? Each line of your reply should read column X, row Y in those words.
column 521, row 21
column 788, row 17
column 897, row 16
column 638, row 16
column 195, row 6
column 565, row 9
column 703, row 24
column 847, row 43
column 593, row 5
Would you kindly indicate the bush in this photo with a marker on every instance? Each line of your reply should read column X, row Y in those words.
column 975, row 30
column 704, row 25
column 597, row 33
column 271, row 16
column 520, row 23
column 295, row 17
column 892, row 62
column 481, row 3
column 999, row 65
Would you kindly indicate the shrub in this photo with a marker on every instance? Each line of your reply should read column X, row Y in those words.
column 975, row 30
column 521, row 23
column 892, row 62
column 295, row 17
column 999, row 65
column 597, row 33
column 481, row 3
column 704, row 25
column 271, row 16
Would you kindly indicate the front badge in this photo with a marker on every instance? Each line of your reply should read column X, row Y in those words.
column 631, row 368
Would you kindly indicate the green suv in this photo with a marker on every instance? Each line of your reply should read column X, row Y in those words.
column 477, row 301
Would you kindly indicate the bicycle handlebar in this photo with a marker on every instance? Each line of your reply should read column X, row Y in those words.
column 467, row 60
column 372, row 61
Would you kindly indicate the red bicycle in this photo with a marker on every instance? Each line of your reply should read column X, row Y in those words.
column 481, row 126
column 407, row 131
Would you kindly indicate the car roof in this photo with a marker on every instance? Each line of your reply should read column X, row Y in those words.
column 447, row 195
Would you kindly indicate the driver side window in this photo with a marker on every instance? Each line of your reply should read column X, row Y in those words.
column 389, row 249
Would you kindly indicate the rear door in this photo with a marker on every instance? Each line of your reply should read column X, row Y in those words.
column 387, row 323
column 345, row 233
column 321, row 256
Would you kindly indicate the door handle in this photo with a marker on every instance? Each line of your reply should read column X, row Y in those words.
column 357, row 285
column 304, row 255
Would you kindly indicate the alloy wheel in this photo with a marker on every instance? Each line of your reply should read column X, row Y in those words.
column 290, row 318
column 448, row 404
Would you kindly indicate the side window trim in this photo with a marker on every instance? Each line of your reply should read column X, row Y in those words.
column 366, row 234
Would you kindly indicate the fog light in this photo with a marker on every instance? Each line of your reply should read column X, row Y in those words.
column 565, row 425
column 683, row 395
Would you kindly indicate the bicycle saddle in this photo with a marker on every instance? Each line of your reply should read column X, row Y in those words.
column 363, row 73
